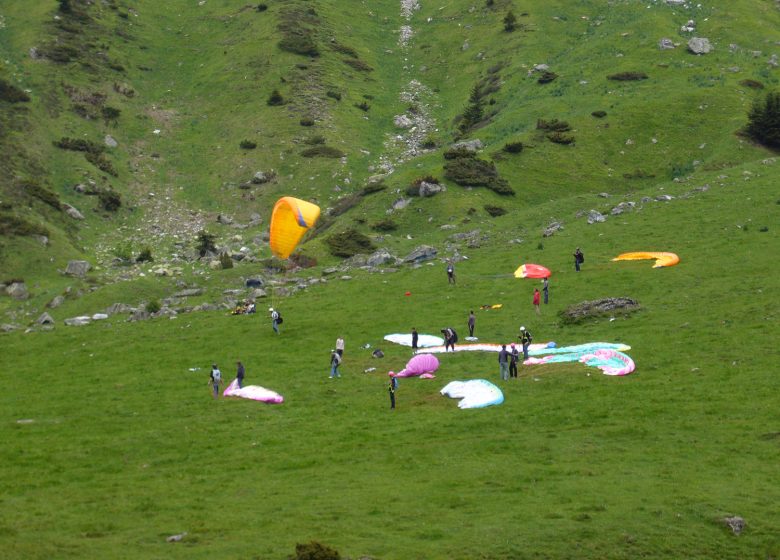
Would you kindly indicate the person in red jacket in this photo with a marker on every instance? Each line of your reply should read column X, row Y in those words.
column 537, row 298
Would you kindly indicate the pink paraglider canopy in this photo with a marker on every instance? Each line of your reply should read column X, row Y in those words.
column 532, row 271
column 422, row 365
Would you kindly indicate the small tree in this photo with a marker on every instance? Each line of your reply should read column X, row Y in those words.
column 764, row 120
column 275, row 98
column 474, row 111
column 510, row 22
column 205, row 243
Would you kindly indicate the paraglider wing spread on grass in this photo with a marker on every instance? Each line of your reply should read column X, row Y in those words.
column 532, row 271
column 253, row 392
column 661, row 259
column 475, row 393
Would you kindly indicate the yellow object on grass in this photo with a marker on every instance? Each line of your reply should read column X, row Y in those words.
column 290, row 219
column 661, row 259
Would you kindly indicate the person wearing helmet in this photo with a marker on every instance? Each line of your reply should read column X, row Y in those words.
column 274, row 319
column 525, row 338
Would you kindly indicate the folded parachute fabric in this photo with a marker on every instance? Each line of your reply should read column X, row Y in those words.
column 253, row 392
column 661, row 259
column 588, row 347
column 609, row 360
column 485, row 347
column 422, row 365
column 423, row 340
column 475, row 393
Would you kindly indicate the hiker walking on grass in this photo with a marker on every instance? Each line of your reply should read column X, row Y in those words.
column 240, row 374
column 537, row 297
column 525, row 338
column 503, row 363
column 276, row 319
column 215, row 380
column 450, row 273
column 579, row 258
column 546, row 290
column 472, row 323
column 392, row 387
column 514, row 356
column 335, row 362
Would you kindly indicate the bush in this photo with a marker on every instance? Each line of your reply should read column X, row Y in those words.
column 333, row 95
column 681, row 169
column 204, row 243
column 495, row 211
column 315, row 551
column 752, row 84
column 153, row 306
column 474, row 172
column 513, row 147
column 358, row 64
column 554, row 125
column 323, row 151
column 385, row 225
column 307, row 121
column 225, row 261
column 455, row 153
column 110, row 114
column 262, row 7
column 426, row 179
column 599, row 114
column 11, row 93
column 14, row 225
column 275, row 99
column 145, row 255
column 547, row 77
column 560, row 138
column 79, row 145
column 101, row 162
column 428, row 143
column 315, row 140
column 510, row 22
column 764, row 121
column 247, row 145
column 363, row 106
column 35, row 190
column 110, row 200
column 627, row 76
column 349, row 243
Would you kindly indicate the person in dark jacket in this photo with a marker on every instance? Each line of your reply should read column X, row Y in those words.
column 525, row 338
column 335, row 362
column 514, row 356
column 472, row 323
column 546, row 290
column 240, row 374
column 503, row 363
column 450, row 273
column 450, row 338
column 579, row 258
column 415, row 337
column 392, row 387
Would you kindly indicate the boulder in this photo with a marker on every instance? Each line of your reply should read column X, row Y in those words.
column 622, row 207
column 118, row 308
column 17, row 290
column 550, row 230
column 699, row 45
column 330, row 270
column 78, row 268
column 431, row 189
column 469, row 145
column 45, row 319
column 420, row 254
column 139, row 315
column 254, row 283
column 541, row 67
column 78, row 321
column 189, row 292
column 401, row 203
column 99, row 317
column 110, row 142
column 258, row 293
column 773, row 61
column 262, row 177
column 664, row 198
column 665, row 44
column 224, row 220
column 595, row 216
column 402, row 121
column 72, row 212
column 7, row 327
column 735, row 523
column 56, row 302
column 597, row 308
column 380, row 257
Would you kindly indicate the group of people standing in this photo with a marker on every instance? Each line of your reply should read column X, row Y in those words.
column 215, row 378
column 507, row 359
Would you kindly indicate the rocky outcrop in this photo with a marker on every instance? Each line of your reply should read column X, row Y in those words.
column 17, row 290
column 78, row 268
column 699, row 45
column 597, row 308
column 421, row 253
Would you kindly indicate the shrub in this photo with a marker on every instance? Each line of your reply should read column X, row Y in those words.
column 11, row 93
column 110, row 200
column 101, row 162
column 510, row 22
column 145, row 255
column 349, row 243
column 385, row 225
column 153, row 306
column 35, row 190
column 204, row 243
column 681, row 169
column 262, row 7
column 513, row 147
column 333, row 95
column 275, row 99
column 599, row 114
column 225, row 261
column 315, row 551
column 764, row 120
column 494, row 211
column 554, row 125
column 474, row 110
column 14, row 225
column 315, row 140
column 558, row 137
column 307, row 121
column 752, row 84
column 474, row 172
column 357, row 64
column 627, row 76
column 247, row 145
column 323, row 151
column 363, row 106
column 78, row 145
column 428, row 143
column 455, row 153
column 547, row 77
column 110, row 114
column 426, row 179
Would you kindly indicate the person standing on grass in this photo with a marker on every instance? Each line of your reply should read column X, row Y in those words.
column 546, row 290
column 415, row 338
column 472, row 323
column 215, row 379
column 335, row 362
column 514, row 355
column 392, row 387
column 274, row 319
column 240, row 374
column 340, row 347
column 503, row 363
column 450, row 338
column 579, row 258
column 450, row 273
column 537, row 297
column 525, row 338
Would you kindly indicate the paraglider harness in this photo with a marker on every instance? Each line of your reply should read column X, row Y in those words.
column 525, row 337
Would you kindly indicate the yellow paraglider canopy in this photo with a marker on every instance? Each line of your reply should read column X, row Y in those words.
column 290, row 219
column 661, row 259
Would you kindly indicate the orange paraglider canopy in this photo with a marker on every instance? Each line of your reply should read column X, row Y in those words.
column 661, row 259
column 532, row 271
column 290, row 219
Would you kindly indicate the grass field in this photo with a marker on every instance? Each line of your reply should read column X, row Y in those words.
column 110, row 442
